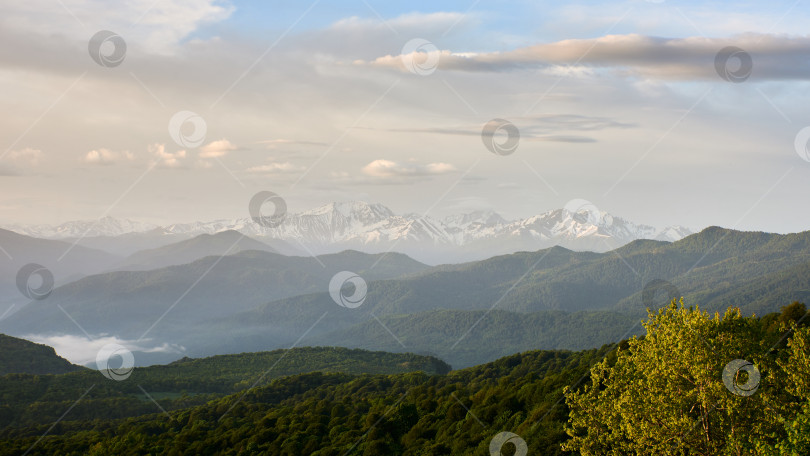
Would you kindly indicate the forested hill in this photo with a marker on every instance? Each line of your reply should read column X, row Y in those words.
column 548, row 402
column 329, row 414
column 39, row 399
column 19, row 356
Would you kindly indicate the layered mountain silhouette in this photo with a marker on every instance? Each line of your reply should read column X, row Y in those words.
column 374, row 228
column 468, row 313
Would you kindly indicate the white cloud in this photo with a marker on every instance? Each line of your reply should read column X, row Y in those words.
column 388, row 168
column 276, row 168
column 27, row 156
column 80, row 350
column 775, row 56
column 106, row 157
column 426, row 23
column 167, row 159
column 299, row 92
column 160, row 28
column 15, row 160
column 217, row 148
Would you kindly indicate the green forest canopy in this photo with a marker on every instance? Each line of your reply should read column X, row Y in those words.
column 662, row 393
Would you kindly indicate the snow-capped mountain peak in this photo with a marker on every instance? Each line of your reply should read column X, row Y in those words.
column 374, row 227
column 487, row 218
column 105, row 226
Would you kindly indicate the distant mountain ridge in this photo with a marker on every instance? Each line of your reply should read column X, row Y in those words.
column 187, row 251
column 374, row 228
column 257, row 300
column 66, row 260
column 105, row 226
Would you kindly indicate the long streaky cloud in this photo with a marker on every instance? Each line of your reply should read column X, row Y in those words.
column 774, row 56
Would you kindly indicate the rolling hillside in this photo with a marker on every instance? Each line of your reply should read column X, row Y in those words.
column 758, row 272
column 67, row 262
column 187, row 251
column 19, row 356
column 258, row 300
column 36, row 399
column 127, row 303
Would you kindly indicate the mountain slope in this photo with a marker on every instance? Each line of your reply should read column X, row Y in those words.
column 34, row 399
column 186, row 251
column 528, row 396
column 176, row 298
column 19, row 356
column 715, row 268
column 337, row 414
column 257, row 300
column 448, row 333
column 65, row 261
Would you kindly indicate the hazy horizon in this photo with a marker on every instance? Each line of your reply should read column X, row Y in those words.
column 182, row 112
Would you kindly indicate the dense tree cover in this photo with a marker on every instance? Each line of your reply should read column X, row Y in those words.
column 678, row 390
column 39, row 399
column 447, row 333
column 19, row 356
column 332, row 414
column 663, row 393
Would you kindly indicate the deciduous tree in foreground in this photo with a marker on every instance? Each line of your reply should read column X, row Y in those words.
column 699, row 384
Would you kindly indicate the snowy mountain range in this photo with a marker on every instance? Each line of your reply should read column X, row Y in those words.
column 375, row 228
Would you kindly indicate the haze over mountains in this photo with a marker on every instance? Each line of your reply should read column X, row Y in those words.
column 375, row 228
column 188, row 299
column 66, row 261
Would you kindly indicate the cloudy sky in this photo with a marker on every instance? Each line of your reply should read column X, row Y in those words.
column 662, row 112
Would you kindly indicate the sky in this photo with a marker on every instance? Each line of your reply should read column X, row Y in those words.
column 660, row 112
